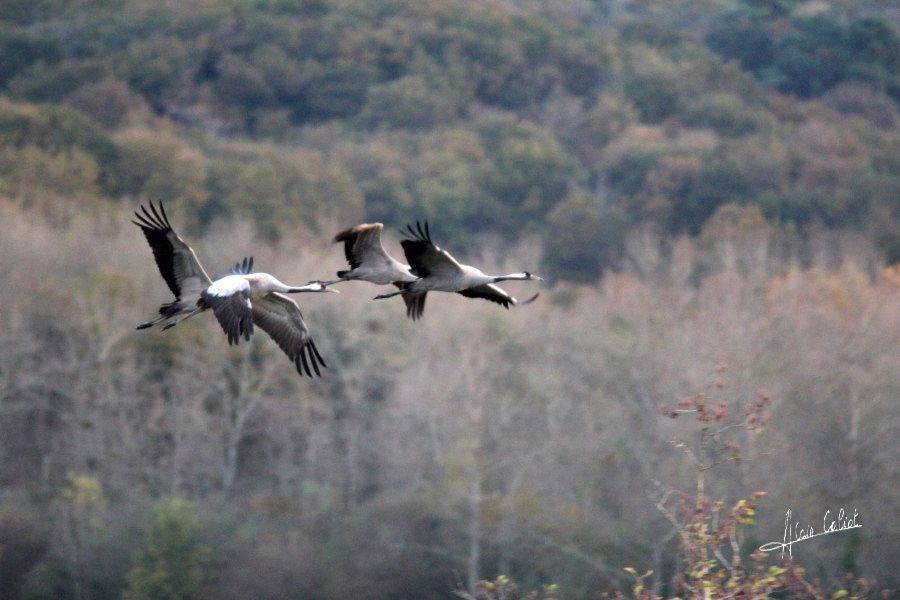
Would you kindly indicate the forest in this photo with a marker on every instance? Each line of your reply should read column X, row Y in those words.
column 711, row 190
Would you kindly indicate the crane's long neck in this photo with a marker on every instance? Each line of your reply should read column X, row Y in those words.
column 511, row 277
column 312, row 287
column 271, row 284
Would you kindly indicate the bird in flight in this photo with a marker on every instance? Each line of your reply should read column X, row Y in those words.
column 239, row 300
column 369, row 261
column 437, row 270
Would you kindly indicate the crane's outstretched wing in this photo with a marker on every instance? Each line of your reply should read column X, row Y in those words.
column 424, row 257
column 362, row 245
column 176, row 261
column 280, row 317
column 245, row 267
column 494, row 293
column 415, row 304
column 229, row 299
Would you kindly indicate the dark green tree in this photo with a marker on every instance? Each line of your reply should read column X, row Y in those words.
column 170, row 566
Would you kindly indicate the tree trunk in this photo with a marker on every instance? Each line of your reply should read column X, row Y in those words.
column 472, row 572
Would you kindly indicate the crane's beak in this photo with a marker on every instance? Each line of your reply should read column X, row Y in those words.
column 332, row 290
column 536, row 278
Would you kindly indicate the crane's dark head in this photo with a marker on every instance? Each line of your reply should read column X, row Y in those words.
column 521, row 276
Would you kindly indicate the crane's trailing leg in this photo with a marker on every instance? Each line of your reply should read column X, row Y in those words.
column 196, row 311
column 331, row 282
column 391, row 295
column 151, row 323
column 166, row 311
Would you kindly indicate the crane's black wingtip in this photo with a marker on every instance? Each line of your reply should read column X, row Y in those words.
column 243, row 267
column 165, row 217
column 155, row 212
column 149, row 219
column 316, row 352
column 530, row 300
column 301, row 360
column 312, row 359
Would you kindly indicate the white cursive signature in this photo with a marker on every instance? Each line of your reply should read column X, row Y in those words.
column 795, row 534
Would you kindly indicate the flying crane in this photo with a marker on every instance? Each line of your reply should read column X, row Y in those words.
column 239, row 300
column 437, row 270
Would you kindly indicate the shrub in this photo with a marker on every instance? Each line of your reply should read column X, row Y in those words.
column 170, row 566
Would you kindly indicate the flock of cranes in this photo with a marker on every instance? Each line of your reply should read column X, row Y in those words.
column 242, row 299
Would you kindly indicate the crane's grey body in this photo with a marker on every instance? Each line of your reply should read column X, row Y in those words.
column 384, row 273
column 436, row 270
column 368, row 259
column 238, row 300
column 459, row 278
column 255, row 285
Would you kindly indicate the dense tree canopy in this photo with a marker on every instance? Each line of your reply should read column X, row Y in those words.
column 540, row 103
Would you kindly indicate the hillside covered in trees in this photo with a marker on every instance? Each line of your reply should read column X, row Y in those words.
column 711, row 189
column 556, row 119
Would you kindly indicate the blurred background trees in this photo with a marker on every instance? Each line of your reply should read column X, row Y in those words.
column 702, row 183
